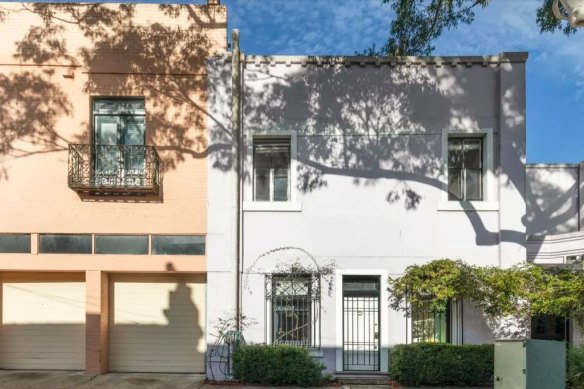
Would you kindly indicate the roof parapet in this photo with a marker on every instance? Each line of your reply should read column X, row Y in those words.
column 320, row 60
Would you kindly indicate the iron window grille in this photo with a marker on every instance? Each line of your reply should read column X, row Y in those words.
column 271, row 169
column 465, row 168
column 294, row 306
column 430, row 325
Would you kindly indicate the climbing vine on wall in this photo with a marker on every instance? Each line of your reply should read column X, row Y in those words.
column 520, row 291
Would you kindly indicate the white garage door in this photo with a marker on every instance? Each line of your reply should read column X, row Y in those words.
column 157, row 323
column 43, row 325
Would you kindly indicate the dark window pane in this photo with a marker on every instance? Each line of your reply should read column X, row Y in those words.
column 280, row 158
column 121, row 244
column 14, row 243
column 262, row 185
column 262, row 159
column 474, row 185
column 280, row 184
column 455, row 153
column 178, row 244
column 454, row 184
column 548, row 327
column 119, row 106
column 65, row 244
column 472, row 154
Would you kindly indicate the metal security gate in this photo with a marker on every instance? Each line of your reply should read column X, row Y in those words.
column 361, row 323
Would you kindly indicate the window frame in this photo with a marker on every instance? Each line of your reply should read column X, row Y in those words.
column 464, row 169
column 123, row 160
column 271, row 142
column 96, row 250
column 314, row 310
column 42, row 251
column 431, row 314
column 20, row 235
column 249, row 205
column 489, row 200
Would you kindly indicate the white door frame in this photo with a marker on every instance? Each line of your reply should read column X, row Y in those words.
column 383, row 316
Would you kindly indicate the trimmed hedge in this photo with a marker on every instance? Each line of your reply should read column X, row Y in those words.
column 277, row 365
column 442, row 364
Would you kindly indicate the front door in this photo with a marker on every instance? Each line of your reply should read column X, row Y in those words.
column 361, row 323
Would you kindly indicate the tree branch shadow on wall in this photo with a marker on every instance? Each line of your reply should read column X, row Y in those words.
column 379, row 126
column 120, row 56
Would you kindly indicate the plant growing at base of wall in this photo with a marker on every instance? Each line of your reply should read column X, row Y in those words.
column 515, row 294
column 227, row 340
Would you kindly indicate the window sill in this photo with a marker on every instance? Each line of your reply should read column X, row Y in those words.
column 468, row 206
column 265, row 206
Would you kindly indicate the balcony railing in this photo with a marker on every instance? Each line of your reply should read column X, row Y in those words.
column 114, row 169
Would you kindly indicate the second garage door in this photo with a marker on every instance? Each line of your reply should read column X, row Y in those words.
column 157, row 323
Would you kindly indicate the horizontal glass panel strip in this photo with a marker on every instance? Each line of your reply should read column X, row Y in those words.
column 121, row 244
column 64, row 244
column 178, row 245
column 14, row 243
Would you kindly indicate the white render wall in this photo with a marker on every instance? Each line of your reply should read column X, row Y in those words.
column 552, row 198
column 369, row 177
column 554, row 212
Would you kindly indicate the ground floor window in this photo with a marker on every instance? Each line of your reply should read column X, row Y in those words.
column 549, row 327
column 295, row 305
column 430, row 325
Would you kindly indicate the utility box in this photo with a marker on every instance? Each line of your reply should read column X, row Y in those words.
column 530, row 364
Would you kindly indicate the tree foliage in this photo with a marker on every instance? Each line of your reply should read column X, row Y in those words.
column 520, row 291
column 417, row 23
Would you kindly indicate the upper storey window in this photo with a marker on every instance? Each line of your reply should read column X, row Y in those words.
column 117, row 160
column 465, row 169
column 271, row 169
column 119, row 123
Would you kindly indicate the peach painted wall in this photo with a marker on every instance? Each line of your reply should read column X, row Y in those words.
column 47, row 79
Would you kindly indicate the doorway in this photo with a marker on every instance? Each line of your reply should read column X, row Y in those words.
column 361, row 327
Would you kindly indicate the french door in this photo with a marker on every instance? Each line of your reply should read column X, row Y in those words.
column 118, row 142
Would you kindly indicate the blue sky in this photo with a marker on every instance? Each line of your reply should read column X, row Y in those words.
column 555, row 70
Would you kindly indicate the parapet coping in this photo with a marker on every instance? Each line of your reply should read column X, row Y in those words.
column 551, row 165
column 320, row 60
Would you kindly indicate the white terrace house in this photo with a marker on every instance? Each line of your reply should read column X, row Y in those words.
column 375, row 164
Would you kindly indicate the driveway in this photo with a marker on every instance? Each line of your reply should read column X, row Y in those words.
column 28, row 379
column 33, row 379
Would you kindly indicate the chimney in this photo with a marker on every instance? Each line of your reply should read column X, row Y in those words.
column 213, row 2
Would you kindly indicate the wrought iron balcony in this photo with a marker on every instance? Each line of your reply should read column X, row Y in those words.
column 114, row 169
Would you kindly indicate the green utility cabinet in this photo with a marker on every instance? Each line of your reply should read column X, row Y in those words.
column 530, row 364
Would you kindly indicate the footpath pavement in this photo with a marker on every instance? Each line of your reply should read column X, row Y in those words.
column 33, row 379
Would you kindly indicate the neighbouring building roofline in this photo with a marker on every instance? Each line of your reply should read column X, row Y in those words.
column 485, row 60
column 551, row 165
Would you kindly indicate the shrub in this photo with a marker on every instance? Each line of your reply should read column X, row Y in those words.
column 575, row 367
column 277, row 365
column 442, row 364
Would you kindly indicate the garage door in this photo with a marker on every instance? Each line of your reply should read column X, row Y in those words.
column 43, row 325
column 157, row 323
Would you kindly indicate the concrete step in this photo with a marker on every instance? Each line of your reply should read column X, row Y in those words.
column 365, row 378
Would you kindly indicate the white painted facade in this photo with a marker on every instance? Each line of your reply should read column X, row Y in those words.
column 368, row 179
